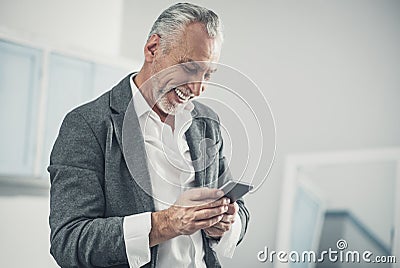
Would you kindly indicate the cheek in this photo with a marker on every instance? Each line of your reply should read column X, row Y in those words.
column 180, row 77
column 165, row 96
column 171, row 96
column 173, row 77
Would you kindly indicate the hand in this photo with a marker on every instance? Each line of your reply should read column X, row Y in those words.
column 195, row 209
column 224, row 225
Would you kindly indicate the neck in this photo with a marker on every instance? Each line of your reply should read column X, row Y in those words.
column 147, row 92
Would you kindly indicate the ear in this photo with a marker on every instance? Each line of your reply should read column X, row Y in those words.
column 151, row 48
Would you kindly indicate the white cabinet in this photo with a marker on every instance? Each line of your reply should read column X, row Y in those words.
column 70, row 83
column 38, row 88
column 105, row 77
column 20, row 69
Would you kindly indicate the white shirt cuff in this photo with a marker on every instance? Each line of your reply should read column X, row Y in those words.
column 136, row 235
column 227, row 245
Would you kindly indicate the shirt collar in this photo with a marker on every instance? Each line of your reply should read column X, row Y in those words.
column 141, row 105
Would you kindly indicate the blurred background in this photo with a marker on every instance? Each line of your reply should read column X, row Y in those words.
column 330, row 71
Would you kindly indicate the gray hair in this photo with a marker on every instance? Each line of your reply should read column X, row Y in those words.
column 174, row 19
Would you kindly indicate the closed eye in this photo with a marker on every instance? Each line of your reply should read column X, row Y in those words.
column 190, row 70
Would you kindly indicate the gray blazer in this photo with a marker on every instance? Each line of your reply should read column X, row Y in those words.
column 92, row 189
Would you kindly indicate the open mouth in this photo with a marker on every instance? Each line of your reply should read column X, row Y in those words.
column 182, row 96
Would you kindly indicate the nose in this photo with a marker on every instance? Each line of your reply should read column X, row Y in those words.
column 196, row 87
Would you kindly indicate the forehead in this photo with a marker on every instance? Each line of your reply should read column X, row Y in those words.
column 198, row 46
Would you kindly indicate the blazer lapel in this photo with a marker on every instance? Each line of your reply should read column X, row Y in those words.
column 195, row 137
column 130, row 139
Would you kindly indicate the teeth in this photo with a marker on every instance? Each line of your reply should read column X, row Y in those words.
column 181, row 95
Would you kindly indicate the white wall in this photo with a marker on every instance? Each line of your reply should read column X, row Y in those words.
column 92, row 25
column 24, row 232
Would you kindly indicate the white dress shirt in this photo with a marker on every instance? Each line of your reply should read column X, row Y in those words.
column 171, row 173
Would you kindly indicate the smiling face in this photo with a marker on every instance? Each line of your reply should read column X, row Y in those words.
column 177, row 75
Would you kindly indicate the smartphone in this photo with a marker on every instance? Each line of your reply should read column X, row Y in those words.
column 235, row 190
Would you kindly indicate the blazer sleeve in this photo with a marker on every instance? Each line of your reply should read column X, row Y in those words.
column 80, row 234
column 224, row 176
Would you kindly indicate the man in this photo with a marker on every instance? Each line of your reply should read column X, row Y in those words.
column 110, row 205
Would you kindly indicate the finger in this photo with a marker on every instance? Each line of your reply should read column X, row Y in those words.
column 211, row 203
column 214, row 232
column 222, row 226
column 228, row 218
column 200, row 194
column 208, row 213
column 224, row 201
column 232, row 208
column 207, row 223
column 198, row 205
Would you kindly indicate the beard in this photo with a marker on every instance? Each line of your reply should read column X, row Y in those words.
column 160, row 92
column 166, row 106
